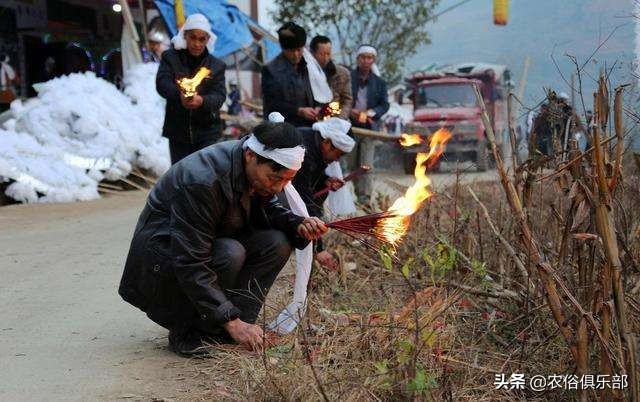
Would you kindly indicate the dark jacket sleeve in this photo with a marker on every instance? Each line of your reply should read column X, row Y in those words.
column 193, row 215
column 304, row 186
column 165, row 79
column 303, row 183
column 283, row 219
column 272, row 98
column 215, row 97
column 382, row 104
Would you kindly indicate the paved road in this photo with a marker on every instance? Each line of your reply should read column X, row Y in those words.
column 65, row 334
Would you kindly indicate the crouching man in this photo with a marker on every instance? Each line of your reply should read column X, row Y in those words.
column 212, row 238
column 326, row 142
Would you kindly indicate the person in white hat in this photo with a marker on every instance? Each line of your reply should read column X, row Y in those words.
column 191, row 123
column 325, row 142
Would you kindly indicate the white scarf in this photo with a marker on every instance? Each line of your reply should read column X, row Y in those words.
column 289, row 318
column 7, row 74
column 319, row 86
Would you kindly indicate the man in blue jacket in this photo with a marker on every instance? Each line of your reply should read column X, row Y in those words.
column 191, row 123
column 370, row 103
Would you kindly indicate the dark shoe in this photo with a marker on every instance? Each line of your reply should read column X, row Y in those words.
column 188, row 344
column 194, row 343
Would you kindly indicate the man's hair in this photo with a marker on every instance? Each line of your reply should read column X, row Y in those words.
column 318, row 40
column 276, row 135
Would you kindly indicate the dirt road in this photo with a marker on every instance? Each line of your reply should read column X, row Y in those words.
column 65, row 334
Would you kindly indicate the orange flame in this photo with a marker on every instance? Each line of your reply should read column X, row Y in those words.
column 332, row 109
column 188, row 85
column 407, row 140
column 393, row 229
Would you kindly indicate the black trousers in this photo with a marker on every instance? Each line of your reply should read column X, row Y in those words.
column 246, row 267
column 179, row 150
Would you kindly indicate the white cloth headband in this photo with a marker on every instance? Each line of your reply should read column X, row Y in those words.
column 194, row 21
column 335, row 130
column 291, row 158
column 367, row 49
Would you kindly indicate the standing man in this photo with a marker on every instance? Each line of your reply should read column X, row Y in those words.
column 285, row 80
column 370, row 103
column 326, row 142
column 213, row 237
column 191, row 123
column 338, row 77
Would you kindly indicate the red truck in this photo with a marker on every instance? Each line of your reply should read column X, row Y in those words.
column 445, row 98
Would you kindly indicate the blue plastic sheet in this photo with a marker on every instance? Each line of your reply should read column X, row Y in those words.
column 230, row 25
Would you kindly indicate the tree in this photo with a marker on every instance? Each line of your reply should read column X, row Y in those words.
column 395, row 27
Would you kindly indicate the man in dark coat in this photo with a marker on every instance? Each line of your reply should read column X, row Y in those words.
column 324, row 143
column 285, row 80
column 369, row 104
column 213, row 237
column 191, row 123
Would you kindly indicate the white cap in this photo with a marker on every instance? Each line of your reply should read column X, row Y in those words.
column 335, row 130
column 194, row 21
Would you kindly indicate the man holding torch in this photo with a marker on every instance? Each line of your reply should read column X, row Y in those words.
column 192, row 119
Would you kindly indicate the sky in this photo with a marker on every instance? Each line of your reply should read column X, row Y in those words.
column 538, row 29
column 544, row 30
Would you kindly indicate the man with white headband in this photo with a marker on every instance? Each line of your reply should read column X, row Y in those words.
column 370, row 102
column 191, row 123
column 325, row 142
column 213, row 237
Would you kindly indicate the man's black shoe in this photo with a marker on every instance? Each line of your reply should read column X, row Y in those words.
column 187, row 344
column 194, row 343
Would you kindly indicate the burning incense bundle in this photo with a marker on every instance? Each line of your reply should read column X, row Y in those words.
column 351, row 176
column 188, row 86
column 391, row 226
column 329, row 110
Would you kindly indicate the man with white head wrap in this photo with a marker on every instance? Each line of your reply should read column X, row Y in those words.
column 369, row 105
column 213, row 237
column 191, row 123
column 325, row 142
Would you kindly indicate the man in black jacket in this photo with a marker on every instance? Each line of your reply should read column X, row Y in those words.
column 191, row 123
column 324, row 143
column 285, row 80
column 212, row 238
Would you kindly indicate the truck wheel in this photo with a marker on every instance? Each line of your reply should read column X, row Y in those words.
column 482, row 157
column 409, row 163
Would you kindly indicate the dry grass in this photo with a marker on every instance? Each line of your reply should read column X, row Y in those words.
column 363, row 338
column 542, row 282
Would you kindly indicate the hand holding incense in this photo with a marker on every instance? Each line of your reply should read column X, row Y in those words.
column 351, row 176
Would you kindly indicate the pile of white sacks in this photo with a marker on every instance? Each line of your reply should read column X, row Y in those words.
column 80, row 130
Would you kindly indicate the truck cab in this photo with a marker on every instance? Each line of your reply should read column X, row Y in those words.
column 446, row 98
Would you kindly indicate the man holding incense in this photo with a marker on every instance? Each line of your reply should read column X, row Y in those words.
column 213, row 237
column 191, row 122
column 325, row 142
